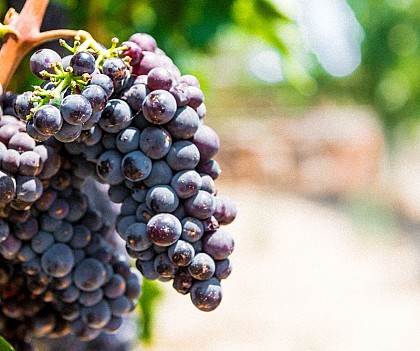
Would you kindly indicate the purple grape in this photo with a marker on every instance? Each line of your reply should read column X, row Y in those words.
column 162, row 198
column 43, row 60
column 104, row 82
column 181, row 253
column 159, row 78
column 210, row 167
column 23, row 105
column 21, row 142
column 144, row 41
column 207, row 142
column 136, row 166
column 108, row 167
column 206, row 295
column 28, row 189
column 68, row 132
column 136, row 237
column 75, row 109
column 202, row 266
column 180, row 93
column 186, row 183
column 201, row 205
column 133, row 52
column 164, row 266
column 159, row 107
column 223, row 269
column 114, row 68
column 48, row 120
column 189, row 80
column 192, row 229
column 218, row 244
column 164, row 229
column 11, row 161
column 135, row 95
column 82, row 62
column 128, row 140
column 89, row 275
column 161, row 174
column 183, row 155
column 58, row 260
column 195, row 96
column 184, row 124
column 155, row 142
column 116, row 116
column 29, row 163
column 97, row 97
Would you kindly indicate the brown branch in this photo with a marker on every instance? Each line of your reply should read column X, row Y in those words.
column 25, row 35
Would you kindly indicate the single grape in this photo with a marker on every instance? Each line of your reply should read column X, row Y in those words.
column 202, row 266
column 159, row 107
column 104, row 82
column 180, row 93
column 159, row 78
column 162, row 198
column 144, row 41
column 210, row 167
column 181, row 253
column 136, row 166
column 133, row 51
column 89, row 274
column 114, row 68
column 136, row 237
column 97, row 316
column 184, row 124
column 135, row 95
column 164, row 229
column 164, row 266
column 183, row 282
column 43, row 60
column 68, row 132
column 192, row 229
column 183, row 155
column 48, row 120
column 189, row 80
column 42, row 241
column 108, row 167
column 155, row 142
column 115, row 287
column 21, row 142
column 11, row 161
column 218, row 244
column 23, row 105
column 58, row 260
column 90, row 298
column 97, row 97
column 206, row 295
column 186, row 183
column 7, row 188
column 116, row 116
column 201, row 205
column 195, row 96
column 28, row 189
column 30, row 163
column 82, row 62
column 128, row 140
column 161, row 174
column 76, row 109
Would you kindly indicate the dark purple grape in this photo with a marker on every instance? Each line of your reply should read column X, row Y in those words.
column 161, row 174
column 135, row 95
column 210, row 167
column 201, row 205
column 136, row 237
column 143, row 213
column 159, row 107
column 186, row 183
column 192, row 229
column 128, row 140
column 68, row 132
column 7, row 188
column 133, row 52
column 28, row 189
column 164, row 229
column 75, row 109
column 89, row 275
column 218, row 244
column 164, row 267
column 207, row 142
column 136, row 166
column 227, row 211
column 59, row 209
column 108, row 167
column 50, row 159
column 7, row 131
column 49, row 223
column 195, row 96
column 181, row 253
column 120, row 306
column 128, row 206
column 97, row 97
column 26, row 254
column 104, row 82
column 23, row 105
column 4, row 230
column 183, row 282
column 97, row 316
column 207, row 184
column 30, row 163
column 202, row 266
column 92, row 121
column 223, row 269
column 47, row 120
column 139, row 192
column 206, row 295
column 83, row 332
column 58, row 260
column 10, row 161
column 92, row 136
column 116, row 116
column 82, row 62
column 159, row 78
column 180, row 93
column 114, row 68
column 184, row 124
column 115, row 287
column 155, row 142
column 33, row 133
column 90, row 298
column 43, row 60
column 183, row 155
column 117, row 193
column 162, row 198
column 64, row 233
column 21, row 142
column 144, row 41
column 42, row 241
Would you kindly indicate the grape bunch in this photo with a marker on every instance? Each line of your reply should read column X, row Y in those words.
column 125, row 117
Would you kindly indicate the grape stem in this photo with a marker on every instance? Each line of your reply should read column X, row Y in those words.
column 21, row 33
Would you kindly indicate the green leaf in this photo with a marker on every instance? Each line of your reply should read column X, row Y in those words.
column 150, row 296
column 268, row 10
column 4, row 345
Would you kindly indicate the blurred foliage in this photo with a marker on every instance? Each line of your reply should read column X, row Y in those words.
column 389, row 75
column 150, row 296
column 4, row 345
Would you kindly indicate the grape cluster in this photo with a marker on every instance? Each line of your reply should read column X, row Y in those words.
column 125, row 117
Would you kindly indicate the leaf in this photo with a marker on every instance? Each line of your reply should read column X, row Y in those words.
column 150, row 296
column 4, row 345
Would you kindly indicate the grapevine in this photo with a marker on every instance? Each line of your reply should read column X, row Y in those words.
column 125, row 117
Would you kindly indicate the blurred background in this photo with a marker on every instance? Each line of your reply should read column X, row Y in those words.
column 317, row 104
